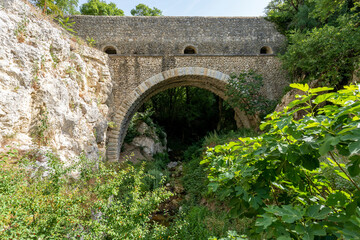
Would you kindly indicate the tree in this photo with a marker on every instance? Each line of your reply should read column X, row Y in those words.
column 58, row 7
column 323, row 38
column 328, row 55
column 144, row 10
column 98, row 7
column 289, row 15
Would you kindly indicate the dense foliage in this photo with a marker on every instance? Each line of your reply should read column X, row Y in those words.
column 323, row 38
column 67, row 7
column 144, row 10
column 243, row 91
column 105, row 202
column 283, row 175
column 99, row 7
column 188, row 113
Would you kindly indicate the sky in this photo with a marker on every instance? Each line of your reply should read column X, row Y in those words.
column 246, row 8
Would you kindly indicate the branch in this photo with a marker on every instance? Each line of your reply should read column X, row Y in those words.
column 343, row 170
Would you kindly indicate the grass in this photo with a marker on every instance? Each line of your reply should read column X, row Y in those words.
column 215, row 138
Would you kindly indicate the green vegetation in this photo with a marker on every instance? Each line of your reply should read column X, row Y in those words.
column 202, row 215
column 187, row 114
column 297, row 179
column 323, row 39
column 144, row 10
column 67, row 7
column 98, row 7
column 20, row 30
column 104, row 202
column 281, row 175
column 40, row 131
column 243, row 91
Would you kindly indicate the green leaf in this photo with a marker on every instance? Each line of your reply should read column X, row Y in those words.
column 317, row 229
column 283, row 237
column 328, row 144
column 283, row 122
column 283, row 148
column 338, row 199
column 302, row 87
column 318, row 212
column 354, row 165
column 321, row 89
column 300, row 229
column 288, row 213
column 297, row 102
column 351, row 208
column 308, row 235
column 265, row 220
column 352, row 134
column 343, row 149
column 213, row 186
column 310, row 161
column 354, row 147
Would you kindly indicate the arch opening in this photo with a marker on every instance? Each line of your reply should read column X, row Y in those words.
column 266, row 50
column 190, row 50
column 110, row 50
column 203, row 78
column 186, row 114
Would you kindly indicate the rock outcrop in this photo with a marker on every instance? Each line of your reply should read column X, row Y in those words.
column 53, row 88
column 145, row 145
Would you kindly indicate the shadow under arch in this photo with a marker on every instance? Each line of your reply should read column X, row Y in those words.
column 211, row 80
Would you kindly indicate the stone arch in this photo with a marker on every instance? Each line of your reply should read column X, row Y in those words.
column 266, row 50
column 204, row 78
column 109, row 49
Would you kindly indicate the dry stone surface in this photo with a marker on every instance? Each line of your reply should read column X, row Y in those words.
column 50, row 86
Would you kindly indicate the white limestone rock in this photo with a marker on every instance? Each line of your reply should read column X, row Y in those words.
column 45, row 80
column 148, row 140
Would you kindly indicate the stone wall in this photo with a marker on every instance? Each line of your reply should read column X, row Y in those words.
column 130, row 71
column 53, row 89
column 170, row 35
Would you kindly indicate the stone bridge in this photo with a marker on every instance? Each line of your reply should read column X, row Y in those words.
column 148, row 55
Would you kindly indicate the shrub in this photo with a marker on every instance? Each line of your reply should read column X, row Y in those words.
column 105, row 201
column 278, row 176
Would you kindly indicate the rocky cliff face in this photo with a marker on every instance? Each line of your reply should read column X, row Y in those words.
column 53, row 89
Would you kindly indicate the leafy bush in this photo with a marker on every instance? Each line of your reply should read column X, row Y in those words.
column 243, row 91
column 328, row 55
column 278, row 175
column 323, row 39
column 105, row 202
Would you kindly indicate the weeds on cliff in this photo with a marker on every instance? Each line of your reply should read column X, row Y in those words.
column 70, row 70
column 20, row 30
column 40, row 131
column 35, row 72
column 91, row 41
column 54, row 56
column 66, row 23
column 111, row 124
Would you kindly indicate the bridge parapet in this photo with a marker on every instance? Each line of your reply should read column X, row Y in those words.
column 172, row 35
